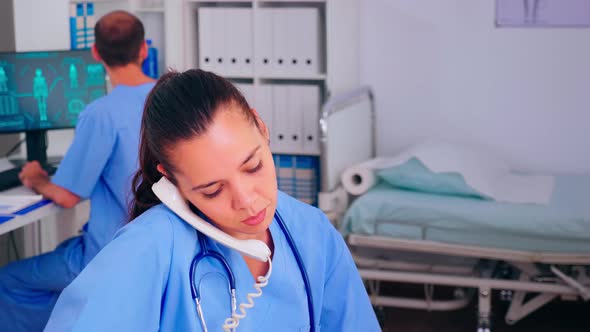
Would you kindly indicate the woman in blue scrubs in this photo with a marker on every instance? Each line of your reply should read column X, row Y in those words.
column 199, row 132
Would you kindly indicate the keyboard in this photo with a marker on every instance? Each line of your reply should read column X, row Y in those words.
column 9, row 178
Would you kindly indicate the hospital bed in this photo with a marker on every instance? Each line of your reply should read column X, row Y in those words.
column 527, row 254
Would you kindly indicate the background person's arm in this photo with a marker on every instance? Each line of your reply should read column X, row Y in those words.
column 36, row 178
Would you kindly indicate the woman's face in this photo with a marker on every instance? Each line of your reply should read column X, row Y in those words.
column 228, row 174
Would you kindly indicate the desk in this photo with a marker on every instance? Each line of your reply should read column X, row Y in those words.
column 32, row 241
column 47, row 209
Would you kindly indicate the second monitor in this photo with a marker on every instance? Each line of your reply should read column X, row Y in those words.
column 47, row 90
column 41, row 91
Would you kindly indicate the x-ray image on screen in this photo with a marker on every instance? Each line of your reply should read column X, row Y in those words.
column 47, row 90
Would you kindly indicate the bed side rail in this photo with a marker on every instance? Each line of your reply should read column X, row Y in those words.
column 347, row 133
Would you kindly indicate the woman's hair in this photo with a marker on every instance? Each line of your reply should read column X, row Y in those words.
column 181, row 106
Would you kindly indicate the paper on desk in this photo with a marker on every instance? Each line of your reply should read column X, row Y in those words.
column 5, row 164
column 12, row 203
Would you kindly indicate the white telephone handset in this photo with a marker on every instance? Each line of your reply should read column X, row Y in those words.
column 170, row 196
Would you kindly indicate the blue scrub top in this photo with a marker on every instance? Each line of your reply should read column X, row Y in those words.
column 102, row 159
column 140, row 281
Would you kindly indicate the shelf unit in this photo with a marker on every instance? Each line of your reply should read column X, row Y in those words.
column 266, row 50
column 174, row 27
column 340, row 24
column 270, row 87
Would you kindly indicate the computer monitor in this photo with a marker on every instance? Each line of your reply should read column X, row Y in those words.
column 46, row 90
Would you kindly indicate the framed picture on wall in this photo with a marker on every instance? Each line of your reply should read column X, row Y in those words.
column 543, row 13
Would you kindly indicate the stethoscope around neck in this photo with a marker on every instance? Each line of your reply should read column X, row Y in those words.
column 207, row 253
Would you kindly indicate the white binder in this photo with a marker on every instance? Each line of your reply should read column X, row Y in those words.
column 280, row 119
column 295, row 36
column 238, row 42
column 218, row 41
column 249, row 92
column 295, row 120
column 205, row 26
column 264, row 106
column 263, row 40
column 281, row 46
column 307, row 39
column 310, row 100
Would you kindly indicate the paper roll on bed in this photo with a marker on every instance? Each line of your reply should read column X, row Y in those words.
column 358, row 179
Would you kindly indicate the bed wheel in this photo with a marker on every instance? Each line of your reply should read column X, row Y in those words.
column 484, row 309
column 483, row 325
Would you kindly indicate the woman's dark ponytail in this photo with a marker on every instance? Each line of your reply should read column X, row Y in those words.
column 147, row 174
column 143, row 196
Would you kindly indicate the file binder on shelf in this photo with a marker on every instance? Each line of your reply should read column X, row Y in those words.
column 298, row 176
column 280, row 120
column 206, row 34
column 310, row 109
column 212, row 31
column 238, row 43
column 304, row 32
column 264, row 107
column 285, row 73
column 218, row 50
column 294, row 116
column 288, row 41
column 226, row 49
column 249, row 92
column 291, row 112
column 285, row 169
column 263, row 41
column 281, row 41
column 82, row 23
column 307, row 179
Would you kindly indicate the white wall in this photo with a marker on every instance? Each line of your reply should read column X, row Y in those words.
column 41, row 25
column 440, row 69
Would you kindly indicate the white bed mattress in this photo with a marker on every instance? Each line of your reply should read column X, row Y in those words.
column 563, row 225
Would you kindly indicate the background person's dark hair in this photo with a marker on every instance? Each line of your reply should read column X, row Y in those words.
column 118, row 38
column 181, row 106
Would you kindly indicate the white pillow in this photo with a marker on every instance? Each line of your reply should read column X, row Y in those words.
column 485, row 172
column 479, row 168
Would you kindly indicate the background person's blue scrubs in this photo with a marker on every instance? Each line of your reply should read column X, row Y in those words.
column 140, row 281
column 98, row 165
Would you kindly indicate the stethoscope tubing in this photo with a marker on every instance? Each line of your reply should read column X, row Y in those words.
column 205, row 252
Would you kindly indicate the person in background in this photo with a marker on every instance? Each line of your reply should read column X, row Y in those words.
column 215, row 150
column 98, row 166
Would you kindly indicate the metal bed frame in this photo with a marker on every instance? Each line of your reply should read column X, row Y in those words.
column 528, row 280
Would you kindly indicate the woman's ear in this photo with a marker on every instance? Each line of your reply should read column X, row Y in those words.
column 161, row 169
column 261, row 125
